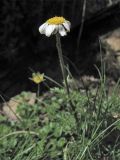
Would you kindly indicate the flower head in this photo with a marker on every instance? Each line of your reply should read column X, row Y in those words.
column 37, row 78
column 55, row 25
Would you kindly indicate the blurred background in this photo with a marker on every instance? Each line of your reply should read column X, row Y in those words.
column 94, row 32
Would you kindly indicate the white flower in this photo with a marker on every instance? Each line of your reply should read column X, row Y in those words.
column 55, row 25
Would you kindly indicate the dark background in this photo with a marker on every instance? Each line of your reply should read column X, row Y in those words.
column 22, row 48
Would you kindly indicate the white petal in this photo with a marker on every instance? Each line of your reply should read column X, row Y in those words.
column 49, row 30
column 42, row 28
column 62, row 31
column 67, row 25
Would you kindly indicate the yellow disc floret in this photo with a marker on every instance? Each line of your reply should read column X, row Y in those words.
column 56, row 20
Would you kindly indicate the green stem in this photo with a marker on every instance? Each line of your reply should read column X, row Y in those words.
column 38, row 91
column 19, row 132
column 62, row 64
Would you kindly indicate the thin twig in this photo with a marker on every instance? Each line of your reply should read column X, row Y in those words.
column 82, row 24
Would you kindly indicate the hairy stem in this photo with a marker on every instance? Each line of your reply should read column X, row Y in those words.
column 62, row 64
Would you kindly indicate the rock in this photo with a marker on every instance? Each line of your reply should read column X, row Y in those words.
column 112, row 39
column 10, row 107
column 111, row 46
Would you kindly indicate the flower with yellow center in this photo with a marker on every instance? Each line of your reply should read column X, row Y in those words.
column 37, row 78
column 55, row 25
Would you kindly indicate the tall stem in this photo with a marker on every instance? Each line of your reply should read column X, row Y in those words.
column 62, row 64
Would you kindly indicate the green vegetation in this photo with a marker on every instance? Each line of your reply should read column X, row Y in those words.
column 49, row 129
column 65, row 123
